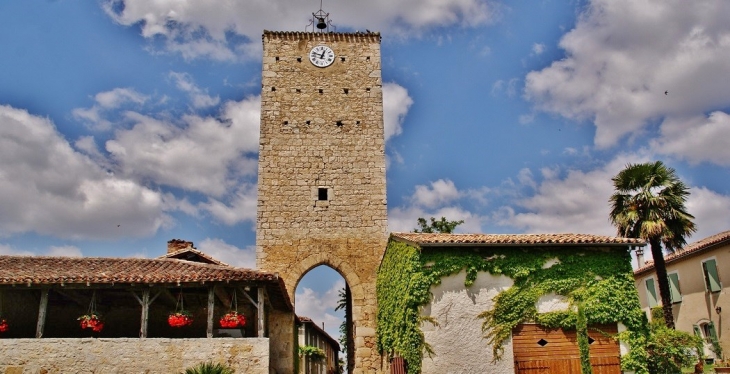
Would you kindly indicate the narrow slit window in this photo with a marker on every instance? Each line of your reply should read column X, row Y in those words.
column 322, row 194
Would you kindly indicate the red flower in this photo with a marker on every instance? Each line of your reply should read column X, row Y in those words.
column 91, row 321
column 3, row 325
column 180, row 319
column 232, row 320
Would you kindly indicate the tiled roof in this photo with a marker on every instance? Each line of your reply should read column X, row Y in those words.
column 694, row 248
column 512, row 239
column 183, row 253
column 34, row 271
column 307, row 320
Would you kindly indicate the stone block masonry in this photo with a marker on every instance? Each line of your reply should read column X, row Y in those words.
column 321, row 188
column 130, row 355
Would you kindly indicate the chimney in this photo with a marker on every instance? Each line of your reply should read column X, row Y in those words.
column 175, row 245
column 640, row 256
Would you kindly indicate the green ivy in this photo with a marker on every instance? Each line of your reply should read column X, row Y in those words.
column 599, row 280
column 314, row 353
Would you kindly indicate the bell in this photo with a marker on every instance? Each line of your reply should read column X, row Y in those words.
column 321, row 24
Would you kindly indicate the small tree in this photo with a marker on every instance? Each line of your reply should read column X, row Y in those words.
column 443, row 226
column 670, row 350
column 649, row 204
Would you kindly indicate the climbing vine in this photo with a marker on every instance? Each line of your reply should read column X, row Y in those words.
column 598, row 282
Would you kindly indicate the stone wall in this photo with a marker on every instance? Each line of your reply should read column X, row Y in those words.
column 322, row 131
column 130, row 356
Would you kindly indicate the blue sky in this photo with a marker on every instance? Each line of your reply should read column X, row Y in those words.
column 124, row 124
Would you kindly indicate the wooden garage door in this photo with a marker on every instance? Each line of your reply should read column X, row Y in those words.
column 548, row 351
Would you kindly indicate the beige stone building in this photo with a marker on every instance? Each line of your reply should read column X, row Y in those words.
column 699, row 281
column 42, row 299
column 321, row 187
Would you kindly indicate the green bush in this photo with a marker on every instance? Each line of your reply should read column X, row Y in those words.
column 209, row 368
column 669, row 350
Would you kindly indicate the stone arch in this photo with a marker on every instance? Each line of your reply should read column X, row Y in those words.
column 316, row 259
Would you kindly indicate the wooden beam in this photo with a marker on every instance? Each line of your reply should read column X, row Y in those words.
column 260, row 312
column 211, row 304
column 223, row 296
column 42, row 308
column 243, row 290
column 144, row 319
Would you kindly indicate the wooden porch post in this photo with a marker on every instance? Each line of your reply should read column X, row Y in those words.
column 145, row 313
column 42, row 313
column 211, row 304
column 260, row 313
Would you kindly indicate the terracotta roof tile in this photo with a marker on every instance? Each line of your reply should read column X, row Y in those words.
column 513, row 239
column 32, row 270
column 694, row 248
column 181, row 253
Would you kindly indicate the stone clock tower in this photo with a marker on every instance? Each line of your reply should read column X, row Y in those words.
column 321, row 187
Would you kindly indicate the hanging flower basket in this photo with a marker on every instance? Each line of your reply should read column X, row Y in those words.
column 91, row 321
column 3, row 324
column 180, row 318
column 233, row 319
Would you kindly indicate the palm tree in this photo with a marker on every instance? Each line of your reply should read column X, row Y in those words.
column 649, row 204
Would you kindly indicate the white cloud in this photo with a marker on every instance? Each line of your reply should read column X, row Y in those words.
column 696, row 139
column 48, row 188
column 206, row 155
column 320, row 306
column 205, row 29
column 440, row 192
column 230, row 254
column 199, row 98
column 439, row 199
column 710, row 210
column 64, row 251
column 56, row 251
column 624, row 54
column 396, row 103
column 95, row 116
column 240, row 207
column 538, row 48
column 578, row 203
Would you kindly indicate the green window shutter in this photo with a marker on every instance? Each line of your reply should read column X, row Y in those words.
column 711, row 278
column 651, row 293
column 697, row 330
column 674, row 291
column 711, row 329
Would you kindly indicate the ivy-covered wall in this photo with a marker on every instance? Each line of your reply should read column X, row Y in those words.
column 597, row 283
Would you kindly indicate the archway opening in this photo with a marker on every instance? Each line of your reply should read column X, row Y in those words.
column 323, row 302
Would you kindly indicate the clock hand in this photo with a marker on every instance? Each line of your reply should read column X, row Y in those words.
column 322, row 56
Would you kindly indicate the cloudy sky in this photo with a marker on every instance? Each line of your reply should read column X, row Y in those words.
column 126, row 123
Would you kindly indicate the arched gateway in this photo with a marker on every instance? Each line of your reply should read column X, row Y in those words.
column 321, row 187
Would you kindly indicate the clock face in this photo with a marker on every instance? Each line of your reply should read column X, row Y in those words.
column 322, row 56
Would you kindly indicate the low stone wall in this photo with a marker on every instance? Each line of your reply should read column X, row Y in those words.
column 131, row 355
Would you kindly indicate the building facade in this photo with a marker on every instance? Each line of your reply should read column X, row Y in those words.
column 321, row 187
column 311, row 335
column 699, row 280
column 517, row 286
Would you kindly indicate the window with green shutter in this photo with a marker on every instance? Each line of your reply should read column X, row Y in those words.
column 674, row 291
column 698, row 332
column 651, row 293
column 712, row 280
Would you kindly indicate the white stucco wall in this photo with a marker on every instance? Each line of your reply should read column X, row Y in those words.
column 457, row 341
